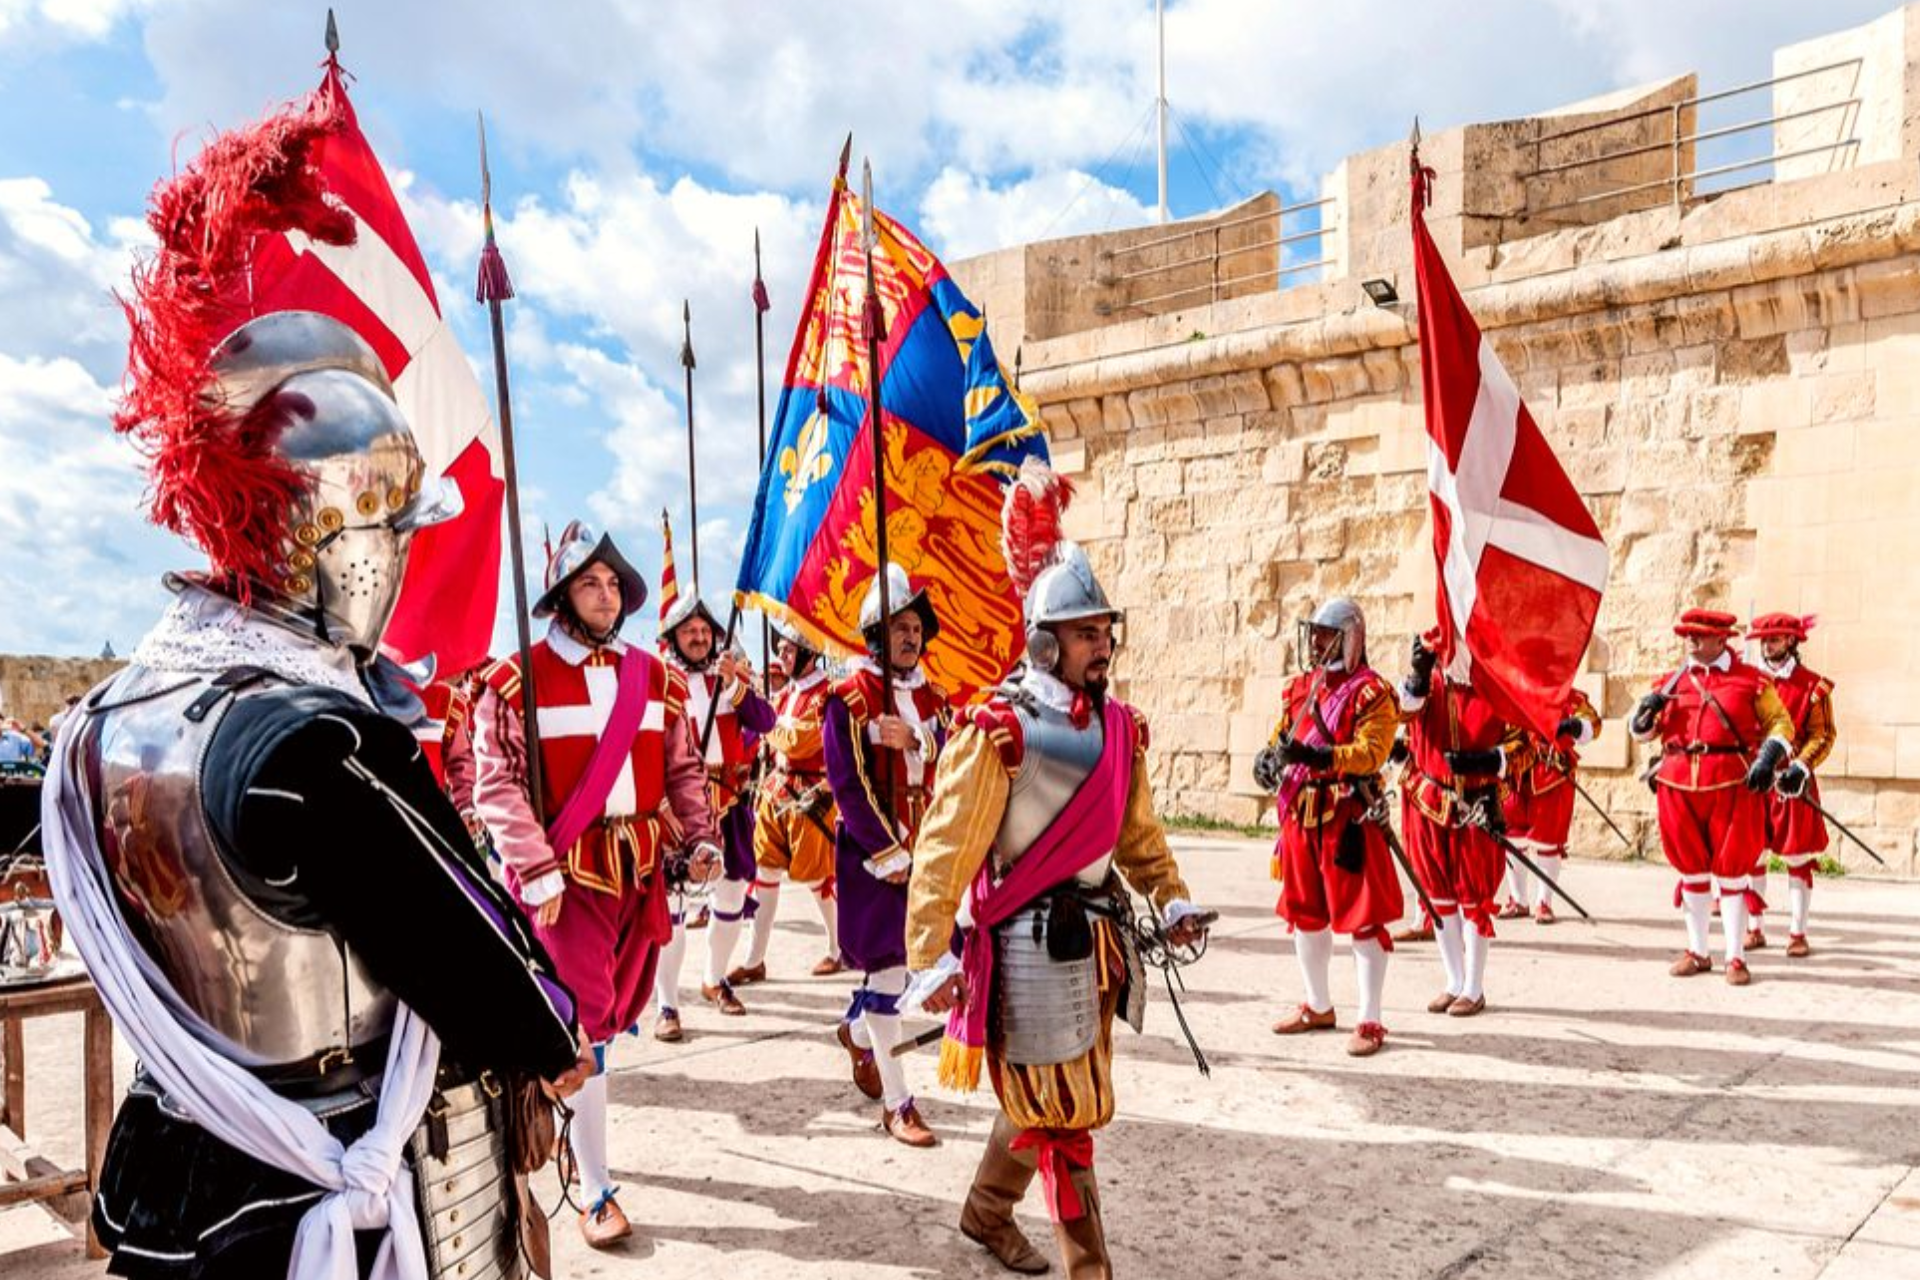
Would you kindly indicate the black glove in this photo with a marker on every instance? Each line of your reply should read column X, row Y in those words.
column 1765, row 762
column 1266, row 768
column 1793, row 780
column 1300, row 753
column 1569, row 728
column 1487, row 802
column 1401, row 753
column 1648, row 711
column 1421, row 662
column 1473, row 762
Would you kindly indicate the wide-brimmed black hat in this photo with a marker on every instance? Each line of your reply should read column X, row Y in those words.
column 580, row 546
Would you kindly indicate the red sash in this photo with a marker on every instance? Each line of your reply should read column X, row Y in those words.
column 589, row 799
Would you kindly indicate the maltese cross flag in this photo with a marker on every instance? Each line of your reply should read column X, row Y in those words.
column 1521, row 562
column 380, row 286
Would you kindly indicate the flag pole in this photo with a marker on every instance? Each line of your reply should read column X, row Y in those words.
column 875, row 326
column 693, row 484
column 760, row 306
column 494, row 287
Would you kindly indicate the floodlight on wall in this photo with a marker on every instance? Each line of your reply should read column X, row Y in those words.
column 1381, row 292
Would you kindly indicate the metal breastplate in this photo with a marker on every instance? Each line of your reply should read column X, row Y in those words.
column 1048, row 1010
column 279, row 994
column 1057, row 759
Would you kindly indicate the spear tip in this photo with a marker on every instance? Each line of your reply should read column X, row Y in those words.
column 1413, row 139
column 333, row 34
column 846, row 153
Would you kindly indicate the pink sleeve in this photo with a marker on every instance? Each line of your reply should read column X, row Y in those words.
column 500, row 788
column 458, row 761
column 687, row 785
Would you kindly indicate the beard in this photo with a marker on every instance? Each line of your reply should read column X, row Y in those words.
column 1095, row 687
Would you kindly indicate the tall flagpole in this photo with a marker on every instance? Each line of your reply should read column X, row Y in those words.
column 693, row 484
column 493, row 288
column 876, row 330
column 761, row 304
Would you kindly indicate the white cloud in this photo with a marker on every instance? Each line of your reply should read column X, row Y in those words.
column 57, row 278
column 964, row 215
column 59, row 21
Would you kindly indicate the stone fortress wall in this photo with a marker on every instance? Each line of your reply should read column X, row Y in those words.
column 1731, row 378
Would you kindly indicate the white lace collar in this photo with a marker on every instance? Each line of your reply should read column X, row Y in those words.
column 812, row 680
column 207, row 633
column 1784, row 671
column 1722, row 663
column 905, row 683
column 1049, row 689
column 573, row 652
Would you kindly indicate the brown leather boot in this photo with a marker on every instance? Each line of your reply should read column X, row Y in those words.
column 987, row 1216
column 604, row 1225
column 1083, row 1242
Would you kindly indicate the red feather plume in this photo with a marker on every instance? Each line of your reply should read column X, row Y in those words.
column 1030, row 533
column 213, row 475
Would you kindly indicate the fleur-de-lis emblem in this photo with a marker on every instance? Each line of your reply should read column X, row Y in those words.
column 807, row 461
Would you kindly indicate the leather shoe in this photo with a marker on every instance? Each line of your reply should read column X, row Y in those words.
column 1543, row 914
column 1797, row 947
column 1442, row 1002
column 1512, row 911
column 604, row 1225
column 1756, row 940
column 666, row 1027
column 827, row 967
column 745, row 975
column 722, row 997
column 1465, row 1008
column 1689, row 964
column 1738, row 974
column 1304, row 1020
column 1366, row 1040
column 1415, row 933
column 866, row 1072
column 905, row 1125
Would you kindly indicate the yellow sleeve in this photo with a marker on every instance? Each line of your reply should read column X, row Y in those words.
column 1818, row 743
column 1774, row 720
column 1373, row 730
column 795, row 738
column 1142, row 854
column 970, row 787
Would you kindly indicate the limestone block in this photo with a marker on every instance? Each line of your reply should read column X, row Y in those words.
column 1116, row 415
column 1284, row 464
column 1611, row 749
column 1842, row 397
column 1284, row 386
column 1069, row 457
column 1775, row 404
column 1336, row 379
column 1897, row 805
column 1752, row 359
column 1814, row 450
column 1661, row 557
column 1890, row 287
column 1906, row 750
column 1159, row 479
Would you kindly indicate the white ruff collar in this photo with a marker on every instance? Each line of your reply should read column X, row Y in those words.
column 1782, row 672
column 1049, row 689
column 203, row 632
column 905, row 683
column 571, row 651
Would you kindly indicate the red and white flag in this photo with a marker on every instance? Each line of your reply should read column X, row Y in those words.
column 379, row 285
column 1521, row 563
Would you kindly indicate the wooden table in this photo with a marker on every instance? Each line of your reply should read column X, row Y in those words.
column 28, row 1176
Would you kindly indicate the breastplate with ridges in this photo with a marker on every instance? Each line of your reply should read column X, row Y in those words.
column 1058, row 759
column 279, row 994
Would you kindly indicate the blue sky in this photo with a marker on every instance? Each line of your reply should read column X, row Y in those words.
column 635, row 149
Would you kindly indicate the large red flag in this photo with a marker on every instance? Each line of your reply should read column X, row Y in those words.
column 1521, row 563
column 380, row 286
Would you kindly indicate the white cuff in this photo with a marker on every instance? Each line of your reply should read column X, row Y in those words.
column 542, row 889
column 873, row 732
column 1585, row 733
column 891, row 865
column 927, row 981
column 1411, row 701
column 1177, row 910
column 1501, row 772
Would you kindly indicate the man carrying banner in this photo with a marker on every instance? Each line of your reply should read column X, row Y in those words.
column 623, row 789
column 1795, row 830
column 1539, row 808
column 883, row 733
column 794, row 822
column 1460, row 750
column 244, row 841
column 1337, row 723
column 725, row 712
column 1041, row 809
column 1724, row 734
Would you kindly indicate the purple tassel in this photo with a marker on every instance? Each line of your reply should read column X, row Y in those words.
column 760, row 300
column 494, row 286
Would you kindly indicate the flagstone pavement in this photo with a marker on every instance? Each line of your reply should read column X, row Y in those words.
column 1599, row 1120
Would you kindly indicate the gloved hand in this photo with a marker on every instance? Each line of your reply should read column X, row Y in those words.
column 1569, row 728
column 1401, row 753
column 1647, row 711
column 1473, row 762
column 1266, row 768
column 1793, row 780
column 1765, row 762
column 1420, row 663
column 1487, row 805
column 1294, row 752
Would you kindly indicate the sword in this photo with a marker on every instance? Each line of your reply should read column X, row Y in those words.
column 931, row 1035
column 1839, row 826
column 1377, row 814
column 1552, row 761
column 1512, row 850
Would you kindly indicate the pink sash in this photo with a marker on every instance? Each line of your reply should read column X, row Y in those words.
column 1086, row 830
column 589, row 799
column 1296, row 775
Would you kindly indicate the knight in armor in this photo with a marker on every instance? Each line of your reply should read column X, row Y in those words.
column 883, row 728
column 728, row 717
column 1337, row 724
column 1459, row 751
column 1041, row 809
column 622, row 792
column 793, row 825
column 1539, row 809
column 245, row 842
column 1796, row 833
column 1724, row 738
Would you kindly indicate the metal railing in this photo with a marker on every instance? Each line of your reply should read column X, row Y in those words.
column 1211, row 252
column 1682, row 176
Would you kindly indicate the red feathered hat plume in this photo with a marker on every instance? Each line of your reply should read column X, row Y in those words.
column 1030, row 521
column 214, row 477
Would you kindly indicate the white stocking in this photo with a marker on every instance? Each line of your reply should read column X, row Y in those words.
column 1697, row 903
column 1478, row 945
column 829, row 907
column 1519, row 882
column 666, row 976
column 1314, row 950
column 884, row 1031
column 1733, row 924
column 1452, row 951
column 1370, row 961
column 587, row 1135
column 723, row 933
column 766, row 893
column 1549, row 871
column 1799, row 898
